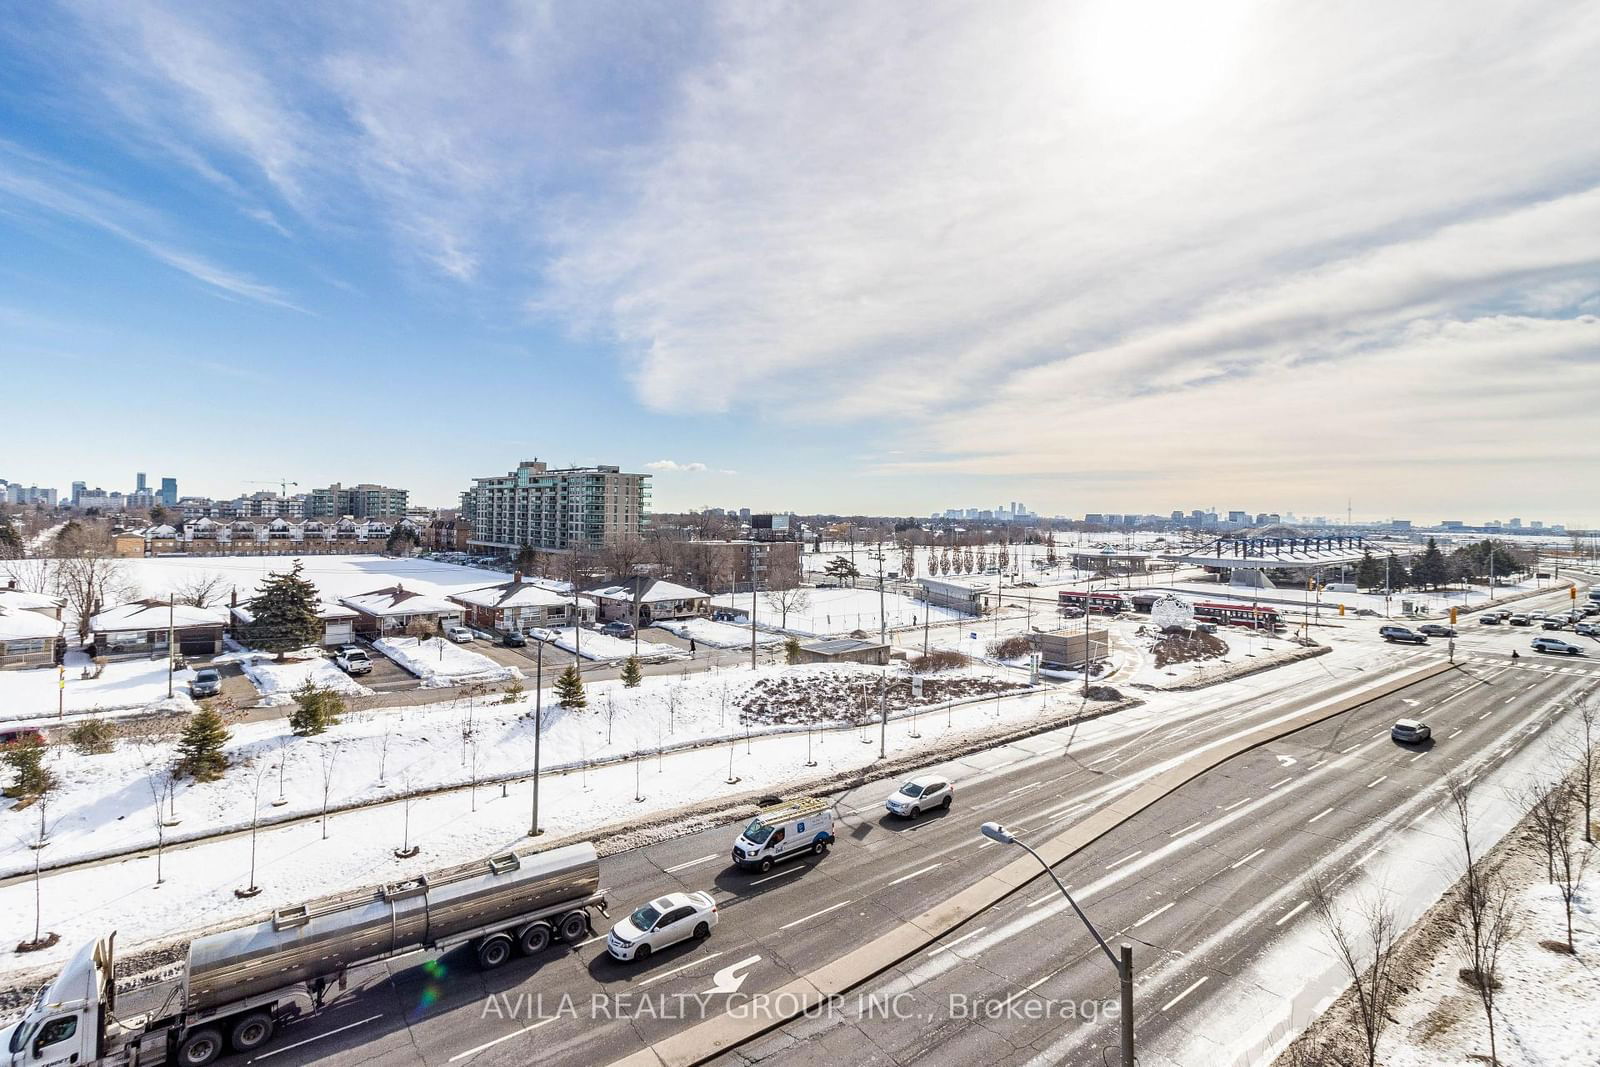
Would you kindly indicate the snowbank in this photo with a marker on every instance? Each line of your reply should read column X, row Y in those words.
column 598, row 646
column 715, row 634
column 835, row 611
column 276, row 682
column 124, row 684
column 440, row 663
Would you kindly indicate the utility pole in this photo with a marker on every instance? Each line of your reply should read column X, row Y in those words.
column 171, row 651
column 538, row 730
column 752, row 605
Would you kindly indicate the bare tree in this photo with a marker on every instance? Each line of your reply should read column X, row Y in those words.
column 255, row 822
column 406, row 849
column 162, row 781
column 383, row 752
column 1480, row 914
column 1546, row 808
column 327, row 756
column 90, row 583
column 34, row 575
column 1365, row 951
column 1587, row 751
column 38, row 842
column 201, row 590
column 783, row 601
column 1570, row 860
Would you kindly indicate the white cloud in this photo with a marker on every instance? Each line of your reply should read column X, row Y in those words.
column 674, row 467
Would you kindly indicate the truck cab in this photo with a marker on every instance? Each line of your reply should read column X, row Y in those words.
column 784, row 831
column 61, row 1025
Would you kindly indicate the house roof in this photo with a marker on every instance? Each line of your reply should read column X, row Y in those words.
column 154, row 615
column 327, row 611
column 653, row 590
column 512, row 595
column 26, row 625
column 26, row 600
column 398, row 600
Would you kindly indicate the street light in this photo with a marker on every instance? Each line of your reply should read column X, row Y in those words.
column 1124, row 966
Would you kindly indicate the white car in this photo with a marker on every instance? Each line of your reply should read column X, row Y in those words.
column 664, row 921
column 459, row 634
column 923, row 793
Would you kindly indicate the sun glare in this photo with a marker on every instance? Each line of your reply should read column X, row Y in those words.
column 1156, row 59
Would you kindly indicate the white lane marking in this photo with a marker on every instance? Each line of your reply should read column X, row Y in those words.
column 1485, row 715
column 1292, row 912
column 1508, row 700
column 1236, row 803
column 319, row 1037
column 1281, row 781
column 679, row 970
column 1153, row 914
column 1418, row 756
column 913, row 874
column 1352, row 748
column 592, row 940
column 1375, row 781
column 1186, row 829
column 691, row 863
column 496, row 1041
column 1101, row 760
column 780, row 874
column 1319, row 763
column 950, row 945
column 1169, row 1004
column 1125, row 859
column 1048, row 897
column 1318, row 815
column 815, row 914
column 1246, row 860
column 1023, row 789
column 1452, row 733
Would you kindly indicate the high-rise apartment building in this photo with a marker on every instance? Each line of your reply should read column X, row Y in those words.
column 561, row 510
column 364, row 501
column 169, row 492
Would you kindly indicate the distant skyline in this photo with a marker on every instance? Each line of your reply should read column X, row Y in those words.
column 873, row 258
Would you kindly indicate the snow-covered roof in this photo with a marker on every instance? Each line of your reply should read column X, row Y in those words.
column 397, row 600
column 327, row 611
column 971, row 585
column 154, row 615
column 161, row 531
column 26, row 600
column 25, row 625
column 512, row 595
column 654, row 591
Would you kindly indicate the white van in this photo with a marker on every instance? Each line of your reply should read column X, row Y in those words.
column 784, row 831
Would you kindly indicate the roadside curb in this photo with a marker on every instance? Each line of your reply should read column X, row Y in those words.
column 808, row 992
column 1235, row 671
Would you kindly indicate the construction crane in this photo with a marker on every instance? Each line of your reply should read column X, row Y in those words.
column 283, row 485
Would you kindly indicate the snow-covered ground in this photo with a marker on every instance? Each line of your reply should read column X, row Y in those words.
column 125, row 683
column 440, row 663
column 592, row 644
column 276, row 682
column 835, row 611
column 1296, row 601
column 716, row 634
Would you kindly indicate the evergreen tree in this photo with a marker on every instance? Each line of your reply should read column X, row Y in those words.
column 569, row 689
column 1430, row 571
column 200, row 754
column 10, row 540
column 315, row 710
column 284, row 614
column 631, row 674
column 791, row 650
column 841, row 570
column 25, row 757
column 1399, row 577
column 401, row 540
column 1369, row 572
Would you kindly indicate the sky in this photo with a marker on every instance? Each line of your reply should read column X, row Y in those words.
column 886, row 257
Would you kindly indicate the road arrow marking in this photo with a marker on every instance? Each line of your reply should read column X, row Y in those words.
column 729, row 979
column 1287, row 761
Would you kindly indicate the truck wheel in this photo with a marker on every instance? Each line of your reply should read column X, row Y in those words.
column 250, row 1032
column 534, row 940
column 574, row 926
column 200, row 1048
column 493, row 951
column 765, row 865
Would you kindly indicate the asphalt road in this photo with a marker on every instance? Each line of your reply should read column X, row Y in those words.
column 1199, row 881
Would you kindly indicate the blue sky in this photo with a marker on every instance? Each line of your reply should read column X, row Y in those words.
column 886, row 257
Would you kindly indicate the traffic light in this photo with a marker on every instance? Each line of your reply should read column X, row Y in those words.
column 1453, row 616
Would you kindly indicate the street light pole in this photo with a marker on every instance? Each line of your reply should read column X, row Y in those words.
column 538, row 730
column 1123, row 963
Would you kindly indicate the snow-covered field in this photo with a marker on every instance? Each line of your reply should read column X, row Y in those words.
column 276, row 682
column 126, row 683
column 440, row 663
column 591, row 644
column 835, row 611
column 716, row 634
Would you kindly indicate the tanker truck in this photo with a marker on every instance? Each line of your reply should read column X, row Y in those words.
column 237, row 985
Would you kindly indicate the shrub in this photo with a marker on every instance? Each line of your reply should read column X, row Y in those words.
column 791, row 650
column 25, row 757
column 938, row 660
column 1014, row 647
column 91, row 737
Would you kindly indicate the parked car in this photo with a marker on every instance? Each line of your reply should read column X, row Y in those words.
column 459, row 634
column 1402, row 635
column 8, row 737
column 1410, row 731
column 617, row 628
column 922, row 793
column 664, row 921
column 1556, row 645
column 1555, row 622
column 352, row 660
column 1436, row 629
column 514, row 639
column 207, row 683
column 1587, row 629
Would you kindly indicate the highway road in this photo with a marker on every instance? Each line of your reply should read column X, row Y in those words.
column 1207, row 883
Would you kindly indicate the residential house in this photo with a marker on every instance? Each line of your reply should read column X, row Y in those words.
column 447, row 535
column 844, row 650
column 338, row 623
column 14, row 599
column 521, row 605
column 30, row 628
column 142, row 627
column 389, row 611
column 657, row 599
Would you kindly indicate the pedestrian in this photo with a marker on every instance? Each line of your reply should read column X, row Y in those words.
column 691, row 646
